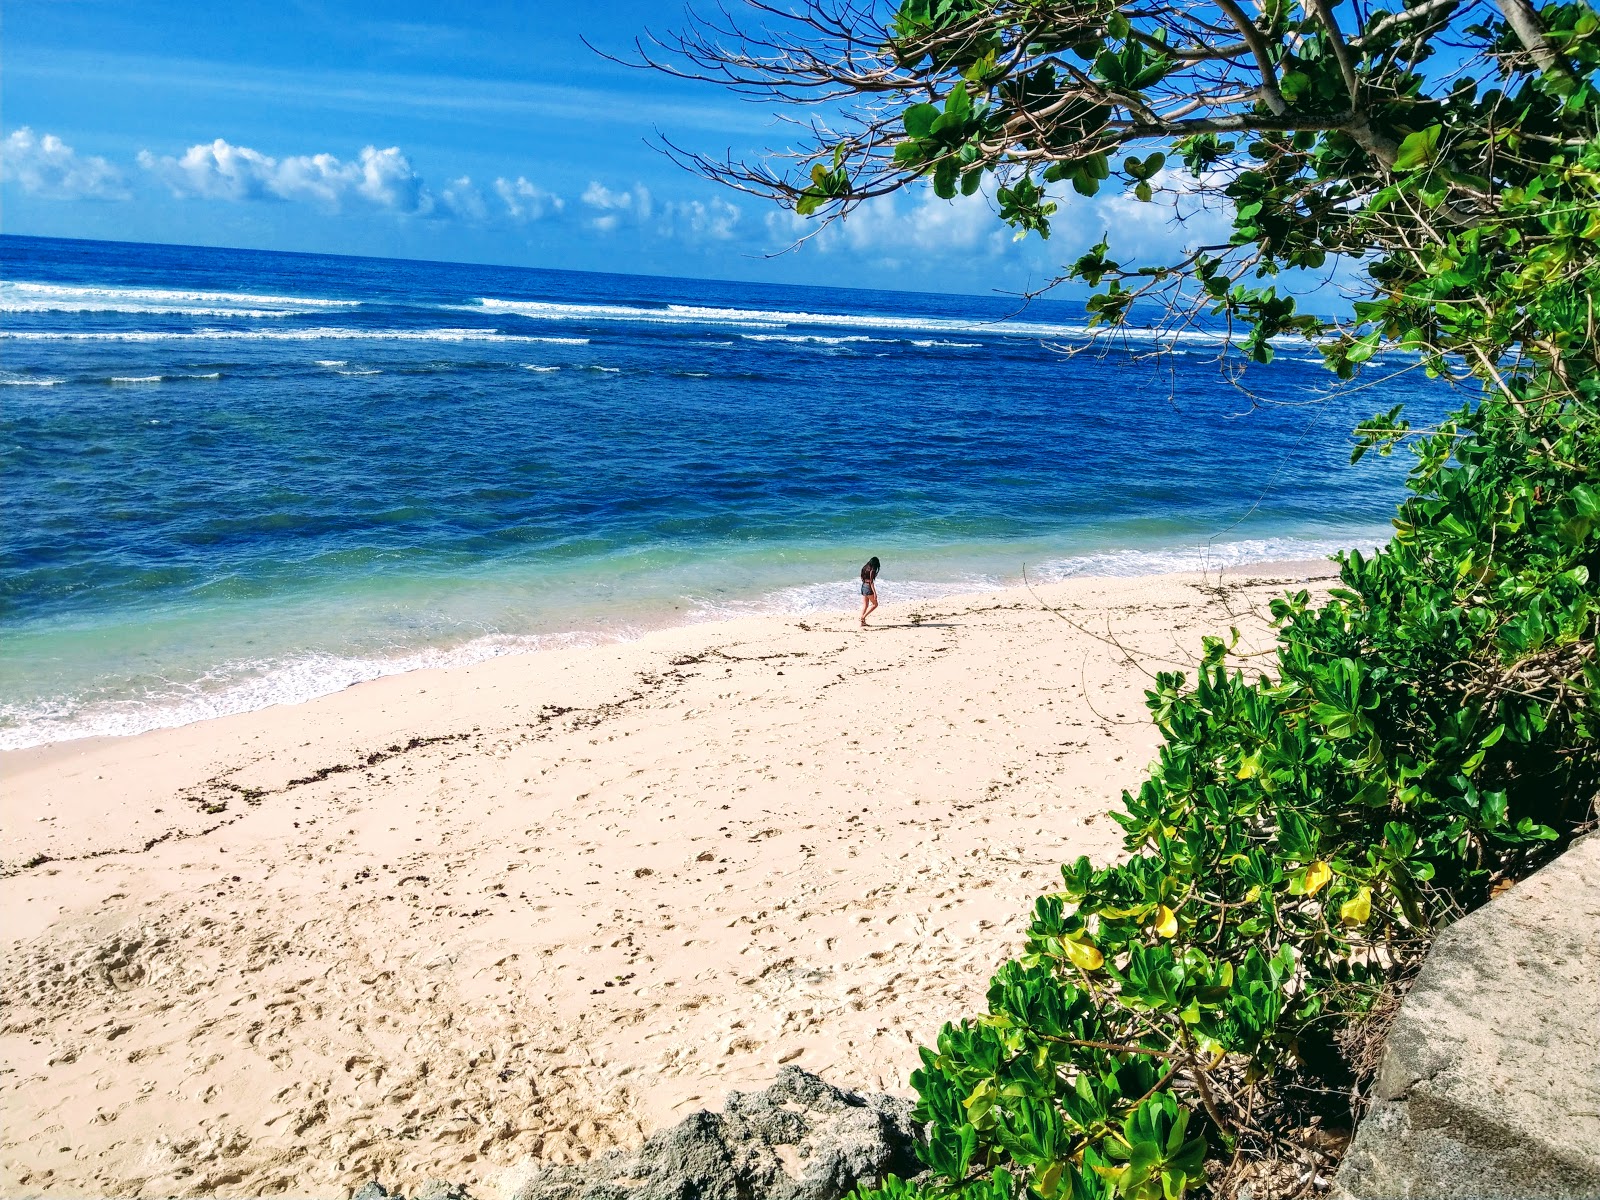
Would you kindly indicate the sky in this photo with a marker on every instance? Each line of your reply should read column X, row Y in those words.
column 479, row 132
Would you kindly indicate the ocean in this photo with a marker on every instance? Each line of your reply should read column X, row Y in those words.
column 236, row 478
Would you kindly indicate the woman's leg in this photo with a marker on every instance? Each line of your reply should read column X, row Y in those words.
column 866, row 607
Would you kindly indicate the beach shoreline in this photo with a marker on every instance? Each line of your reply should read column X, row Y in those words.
column 442, row 922
column 172, row 714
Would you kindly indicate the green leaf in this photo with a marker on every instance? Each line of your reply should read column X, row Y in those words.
column 1294, row 84
column 1418, row 148
column 919, row 119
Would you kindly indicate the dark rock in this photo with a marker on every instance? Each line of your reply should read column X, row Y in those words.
column 1490, row 1081
column 371, row 1191
column 832, row 1140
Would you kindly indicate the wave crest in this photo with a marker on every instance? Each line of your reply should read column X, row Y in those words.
column 20, row 296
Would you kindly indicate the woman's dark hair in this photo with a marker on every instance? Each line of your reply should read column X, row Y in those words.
column 870, row 571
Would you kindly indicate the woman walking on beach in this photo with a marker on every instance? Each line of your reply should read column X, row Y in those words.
column 869, row 589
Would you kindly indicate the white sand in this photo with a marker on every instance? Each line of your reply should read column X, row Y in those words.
column 292, row 950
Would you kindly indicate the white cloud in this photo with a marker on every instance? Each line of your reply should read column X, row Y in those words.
column 927, row 224
column 1180, row 216
column 461, row 198
column 713, row 220
column 374, row 179
column 221, row 171
column 915, row 224
column 633, row 205
column 47, row 166
column 527, row 201
column 318, row 178
column 687, row 220
column 389, row 182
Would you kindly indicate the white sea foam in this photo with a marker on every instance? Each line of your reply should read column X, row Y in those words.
column 1201, row 556
column 693, row 314
column 358, row 371
column 245, row 686
column 807, row 337
column 777, row 319
column 537, row 367
column 25, row 297
column 162, row 378
column 7, row 379
column 275, row 335
column 928, row 342
column 330, row 362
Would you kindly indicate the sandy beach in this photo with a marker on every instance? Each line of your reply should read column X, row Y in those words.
column 440, row 923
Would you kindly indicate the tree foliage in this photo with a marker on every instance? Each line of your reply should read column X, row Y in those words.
column 1427, row 731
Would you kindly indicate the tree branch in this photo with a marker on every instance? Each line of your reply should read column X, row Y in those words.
column 1525, row 24
column 1341, row 51
column 1258, row 46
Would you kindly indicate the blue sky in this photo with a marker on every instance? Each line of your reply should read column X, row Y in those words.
column 482, row 132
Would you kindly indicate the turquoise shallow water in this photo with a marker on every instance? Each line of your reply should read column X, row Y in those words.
column 235, row 478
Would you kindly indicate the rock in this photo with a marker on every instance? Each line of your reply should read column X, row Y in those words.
column 440, row 1189
column 1490, row 1080
column 800, row 1139
column 433, row 1189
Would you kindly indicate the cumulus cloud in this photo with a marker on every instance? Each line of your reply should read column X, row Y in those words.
column 377, row 180
column 916, row 223
column 461, row 198
column 389, row 182
column 632, row 205
column 525, row 201
column 698, row 220
column 1179, row 217
column 686, row 220
column 47, row 166
column 221, row 171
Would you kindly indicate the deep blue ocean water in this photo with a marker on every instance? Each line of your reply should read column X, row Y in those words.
column 236, row 478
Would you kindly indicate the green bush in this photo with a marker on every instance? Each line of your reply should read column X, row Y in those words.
column 1429, row 729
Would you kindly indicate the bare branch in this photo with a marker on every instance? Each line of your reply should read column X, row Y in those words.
column 1258, row 46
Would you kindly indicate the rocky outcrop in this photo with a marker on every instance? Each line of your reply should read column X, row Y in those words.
column 800, row 1139
column 1490, row 1081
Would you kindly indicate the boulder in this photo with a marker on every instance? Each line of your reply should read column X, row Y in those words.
column 800, row 1139
column 1489, row 1087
